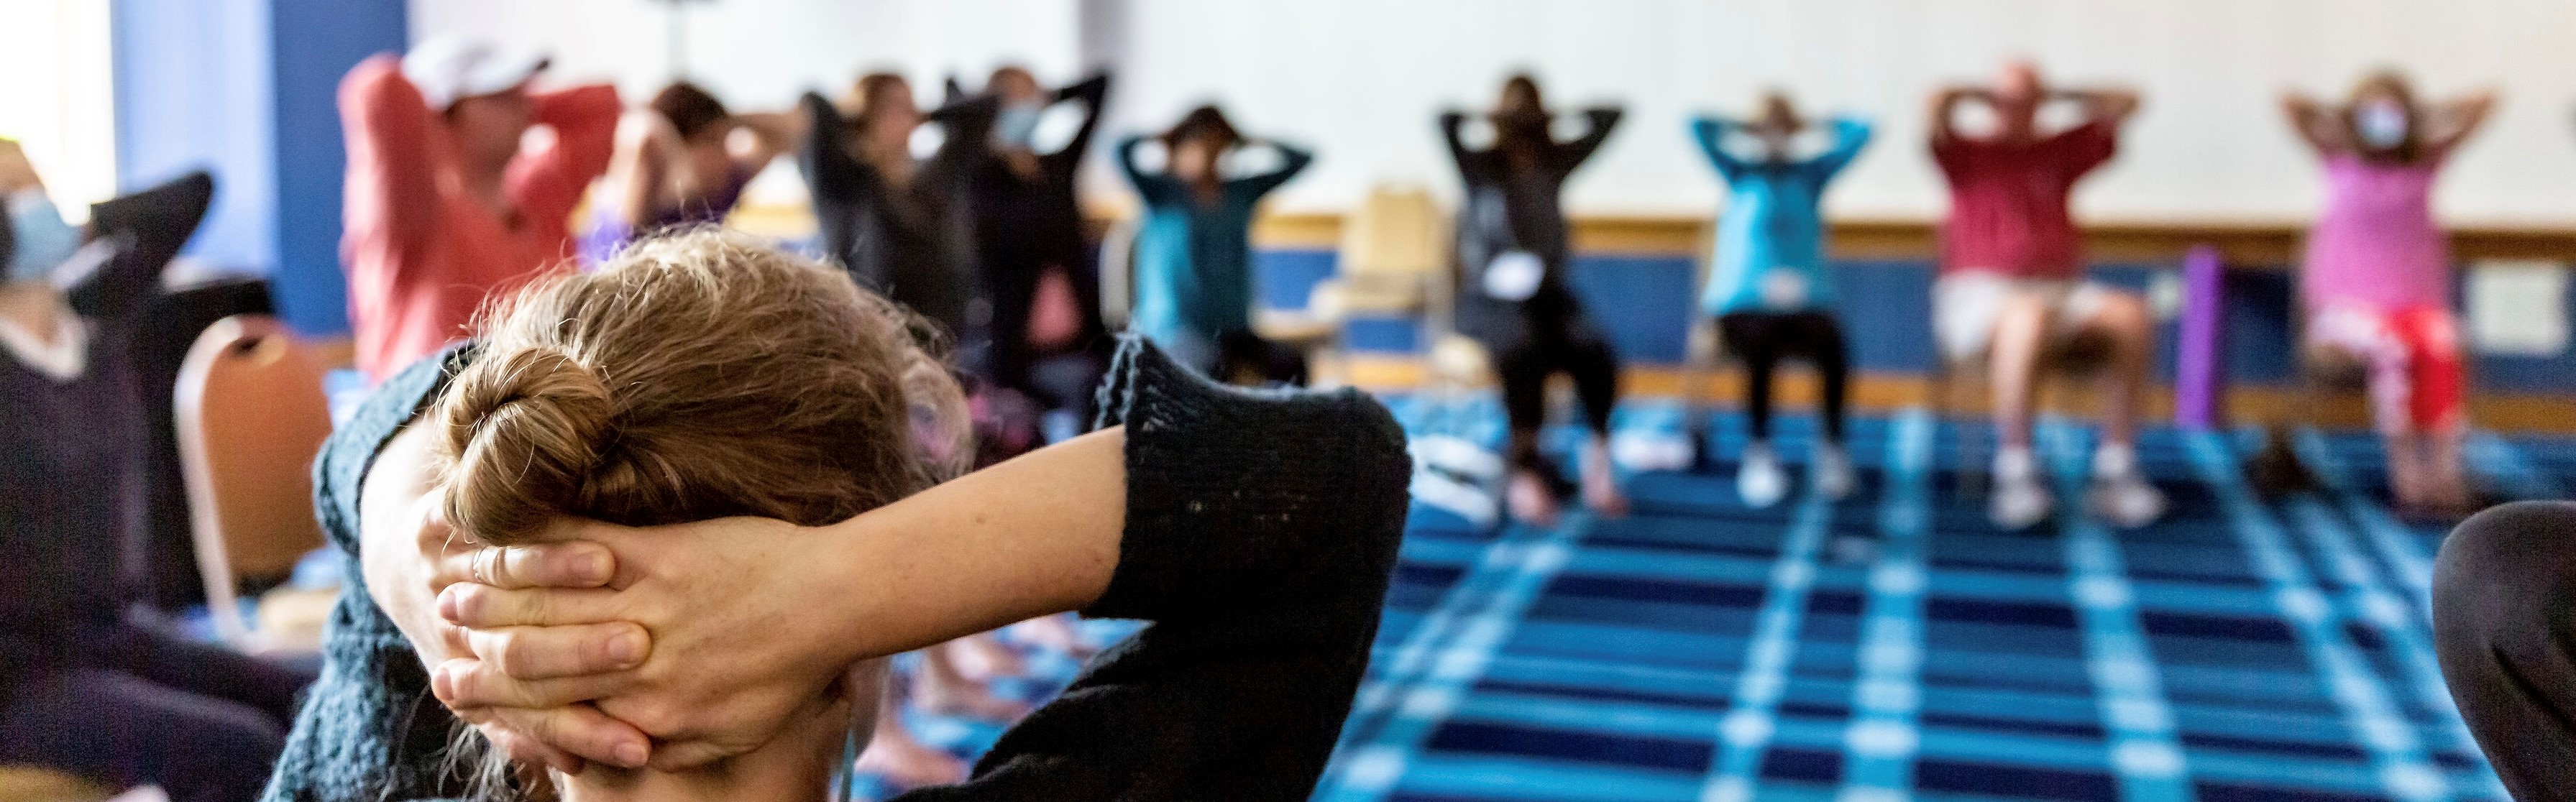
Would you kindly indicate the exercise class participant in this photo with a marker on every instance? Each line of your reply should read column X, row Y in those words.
column 1047, row 341
column 1769, row 291
column 747, row 382
column 446, row 205
column 887, row 217
column 903, row 227
column 678, row 163
column 1264, row 603
column 2012, row 285
column 2377, row 281
column 84, row 688
column 1193, row 272
column 1513, row 298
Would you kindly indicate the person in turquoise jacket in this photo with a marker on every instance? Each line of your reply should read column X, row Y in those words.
column 1769, row 290
column 1193, row 257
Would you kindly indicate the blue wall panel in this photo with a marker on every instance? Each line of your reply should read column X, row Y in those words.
column 1642, row 302
column 192, row 93
column 249, row 90
column 317, row 42
column 1645, row 304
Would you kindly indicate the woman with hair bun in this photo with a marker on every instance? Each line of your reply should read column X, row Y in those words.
column 771, row 429
column 697, row 377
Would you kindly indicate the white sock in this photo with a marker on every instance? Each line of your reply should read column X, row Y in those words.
column 2115, row 460
column 2015, row 463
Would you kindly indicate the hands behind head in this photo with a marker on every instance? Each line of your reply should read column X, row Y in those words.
column 558, row 668
column 15, row 171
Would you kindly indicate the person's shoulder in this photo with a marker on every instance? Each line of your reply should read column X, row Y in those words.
column 401, row 396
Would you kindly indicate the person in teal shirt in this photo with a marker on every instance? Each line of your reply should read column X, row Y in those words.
column 1769, row 291
column 1193, row 256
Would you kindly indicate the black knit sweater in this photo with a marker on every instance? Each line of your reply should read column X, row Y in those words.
column 1261, row 531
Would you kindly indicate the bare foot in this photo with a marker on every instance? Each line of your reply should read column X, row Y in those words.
column 2446, row 497
column 981, row 657
column 904, row 761
column 1531, row 500
column 1057, row 632
column 1600, row 484
column 939, row 688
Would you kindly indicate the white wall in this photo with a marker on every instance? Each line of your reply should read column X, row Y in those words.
column 58, row 98
column 1361, row 79
column 763, row 53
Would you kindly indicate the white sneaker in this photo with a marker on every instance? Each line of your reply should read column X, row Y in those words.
column 1761, row 481
column 1832, row 472
column 2019, row 502
column 2126, row 500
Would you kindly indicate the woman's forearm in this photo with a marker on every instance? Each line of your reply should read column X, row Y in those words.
column 1029, row 537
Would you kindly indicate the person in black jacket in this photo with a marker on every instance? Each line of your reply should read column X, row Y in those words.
column 1513, row 299
column 83, row 687
column 1046, row 338
column 1256, row 531
column 894, row 221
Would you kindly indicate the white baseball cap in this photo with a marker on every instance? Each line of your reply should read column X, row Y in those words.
column 448, row 68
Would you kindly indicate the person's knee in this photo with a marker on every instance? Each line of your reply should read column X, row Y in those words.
column 2123, row 317
column 2508, row 572
column 2021, row 323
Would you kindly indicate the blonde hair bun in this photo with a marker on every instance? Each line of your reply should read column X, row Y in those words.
column 696, row 375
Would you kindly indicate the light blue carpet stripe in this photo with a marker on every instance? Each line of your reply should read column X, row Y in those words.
column 1881, row 741
column 1746, row 732
column 2397, row 755
column 1369, row 768
column 2513, row 470
column 2369, row 601
column 2149, row 762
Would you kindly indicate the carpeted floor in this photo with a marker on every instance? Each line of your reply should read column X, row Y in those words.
column 1893, row 645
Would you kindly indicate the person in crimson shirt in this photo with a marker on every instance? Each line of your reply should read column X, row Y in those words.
column 2012, row 284
column 445, row 204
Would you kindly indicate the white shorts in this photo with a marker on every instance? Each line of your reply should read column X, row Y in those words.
column 1966, row 304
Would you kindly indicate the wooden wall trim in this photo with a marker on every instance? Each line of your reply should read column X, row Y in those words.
column 2273, row 243
column 2246, row 244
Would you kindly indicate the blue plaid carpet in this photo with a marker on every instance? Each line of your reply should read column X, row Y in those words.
column 1894, row 646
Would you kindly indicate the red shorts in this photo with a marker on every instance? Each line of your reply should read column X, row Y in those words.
column 2414, row 358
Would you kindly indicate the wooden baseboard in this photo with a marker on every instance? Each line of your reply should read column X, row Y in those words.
column 2261, row 243
column 2245, row 243
column 1882, row 392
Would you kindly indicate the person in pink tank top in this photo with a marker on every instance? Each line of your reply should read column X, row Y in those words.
column 2376, row 285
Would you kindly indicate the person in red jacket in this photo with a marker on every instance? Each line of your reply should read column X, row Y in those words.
column 447, row 200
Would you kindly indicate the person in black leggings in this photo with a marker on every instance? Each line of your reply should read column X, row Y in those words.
column 1048, row 341
column 84, row 687
column 2504, row 626
column 1770, row 290
column 1512, row 249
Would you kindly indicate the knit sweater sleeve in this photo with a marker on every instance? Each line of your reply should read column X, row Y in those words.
column 1262, row 528
column 369, row 730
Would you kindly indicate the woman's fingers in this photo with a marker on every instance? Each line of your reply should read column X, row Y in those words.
column 476, row 606
column 464, row 684
column 580, row 731
column 537, row 653
column 677, row 756
column 552, row 565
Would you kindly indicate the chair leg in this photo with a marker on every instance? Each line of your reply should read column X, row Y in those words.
column 1966, row 443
